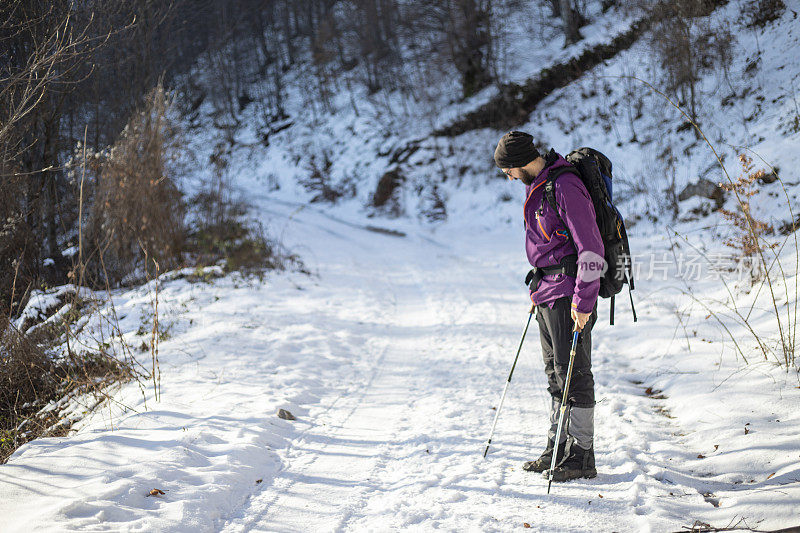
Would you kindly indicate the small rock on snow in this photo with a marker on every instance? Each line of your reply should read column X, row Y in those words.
column 286, row 415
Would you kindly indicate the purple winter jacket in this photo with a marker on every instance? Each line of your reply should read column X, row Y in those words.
column 547, row 238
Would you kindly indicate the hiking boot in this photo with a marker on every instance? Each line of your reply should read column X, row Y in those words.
column 579, row 463
column 543, row 463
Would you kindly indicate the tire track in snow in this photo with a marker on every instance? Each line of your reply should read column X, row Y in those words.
column 256, row 512
column 421, row 292
column 332, row 435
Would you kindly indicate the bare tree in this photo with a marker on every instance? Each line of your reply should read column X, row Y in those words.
column 374, row 26
column 571, row 20
column 470, row 43
column 462, row 29
column 688, row 44
column 45, row 45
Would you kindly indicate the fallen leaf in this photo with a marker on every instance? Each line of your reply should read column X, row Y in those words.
column 259, row 481
column 772, row 474
column 600, row 495
column 526, row 525
column 746, row 430
column 701, row 456
column 716, row 447
column 156, row 492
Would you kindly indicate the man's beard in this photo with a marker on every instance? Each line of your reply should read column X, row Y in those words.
column 527, row 178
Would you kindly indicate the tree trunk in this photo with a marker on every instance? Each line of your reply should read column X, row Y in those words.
column 571, row 23
column 470, row 45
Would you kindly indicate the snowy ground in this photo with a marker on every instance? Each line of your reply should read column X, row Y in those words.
column 394, row 352
column 392, row 356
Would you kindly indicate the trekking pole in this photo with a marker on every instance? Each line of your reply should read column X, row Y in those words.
column 563, row 409
column 505, row 389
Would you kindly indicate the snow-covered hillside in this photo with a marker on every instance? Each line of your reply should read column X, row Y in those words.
column 750, row 105
column 393, row 352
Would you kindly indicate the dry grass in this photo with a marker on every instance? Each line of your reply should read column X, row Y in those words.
column 229, row 239
column 137, row 212
column 782, row 285
column 32, row 377
column 747, row 242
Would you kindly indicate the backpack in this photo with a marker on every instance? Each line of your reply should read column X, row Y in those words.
column 594, row 170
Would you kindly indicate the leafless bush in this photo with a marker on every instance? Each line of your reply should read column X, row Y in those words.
column 688, row 44
column 26, row 373
column 434, row 207
column 221, row 232
column 138, row 210
column 319, row 180
column 783, row 285
column 25, row 378
column 36, row 376
column 750, row 232
column 759, row 13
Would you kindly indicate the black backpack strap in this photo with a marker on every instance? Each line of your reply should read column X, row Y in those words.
column 550, row 193
column 549, row 186
column 611, row 309
column 629, row 281
column 568, row 265
column 611, row 312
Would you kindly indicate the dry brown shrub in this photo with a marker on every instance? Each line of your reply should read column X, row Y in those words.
column 750, row 231
column 138, row 212
column 40, row 374
column 18, row 244
column 26, row 378
column 24, row 369
column 759, row 13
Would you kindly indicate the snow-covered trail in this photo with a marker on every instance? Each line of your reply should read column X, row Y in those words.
column 391, row 356
column 402, row 448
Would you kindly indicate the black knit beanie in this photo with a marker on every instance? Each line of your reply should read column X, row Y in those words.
column 515, row 150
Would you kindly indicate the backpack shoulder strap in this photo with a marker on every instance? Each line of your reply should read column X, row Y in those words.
column 549, row 186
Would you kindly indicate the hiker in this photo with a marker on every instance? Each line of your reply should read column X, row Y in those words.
column 564, row 246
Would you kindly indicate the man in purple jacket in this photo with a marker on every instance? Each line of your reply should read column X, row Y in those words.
column 563, row 245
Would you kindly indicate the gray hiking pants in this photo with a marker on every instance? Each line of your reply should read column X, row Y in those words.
column 555, row 333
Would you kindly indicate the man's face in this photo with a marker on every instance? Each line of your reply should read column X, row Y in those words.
column 520, row 174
